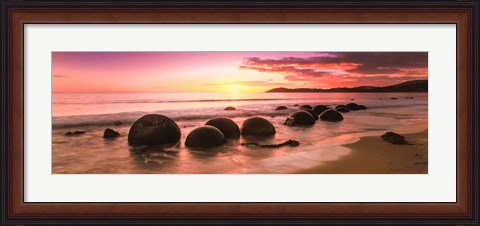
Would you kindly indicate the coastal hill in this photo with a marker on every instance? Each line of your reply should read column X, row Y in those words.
column 410, row 86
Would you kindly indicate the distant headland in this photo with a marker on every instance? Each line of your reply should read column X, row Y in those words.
column 410, row 86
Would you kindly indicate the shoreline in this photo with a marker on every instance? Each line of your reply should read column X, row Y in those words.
column 372, row 155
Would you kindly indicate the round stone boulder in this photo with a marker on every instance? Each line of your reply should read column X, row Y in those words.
column 300, row 118
column 257, row 127
column 342, row 109
column 305, row 107
column 110, row 133
column 227, row 126
column 281, row 108
column 353, row 106
column 331, row 115
column 153, row 129
column 204, row 137
column 319, row 109
column 230, row 108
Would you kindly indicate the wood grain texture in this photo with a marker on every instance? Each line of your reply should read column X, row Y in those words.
column 462, row 209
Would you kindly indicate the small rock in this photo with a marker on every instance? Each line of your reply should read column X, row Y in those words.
column 362, row 107
column 394, row 138
column 408, row 97
column 292, row 143
column 230, row 108
column 394, row 98
column 281, row 108
column 110, row 133
column 342, row 109
column 74, row 133
column 296, row 105
column 305, row 107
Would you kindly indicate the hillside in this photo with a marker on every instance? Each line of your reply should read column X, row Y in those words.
column 409, row 86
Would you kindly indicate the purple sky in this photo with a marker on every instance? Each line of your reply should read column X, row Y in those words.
column 229, row 71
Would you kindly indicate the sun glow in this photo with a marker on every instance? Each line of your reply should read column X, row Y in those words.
column 235, row 88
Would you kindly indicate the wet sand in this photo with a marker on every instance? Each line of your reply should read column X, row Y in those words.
column 372, row 155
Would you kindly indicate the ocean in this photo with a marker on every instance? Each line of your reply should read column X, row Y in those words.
column 90, row 153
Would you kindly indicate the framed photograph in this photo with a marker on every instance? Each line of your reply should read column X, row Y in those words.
column 240, row 112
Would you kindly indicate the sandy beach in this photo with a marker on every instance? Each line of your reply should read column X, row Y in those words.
column 372, row 155
column 324, row 147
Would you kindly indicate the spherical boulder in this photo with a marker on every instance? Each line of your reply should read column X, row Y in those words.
column 281, row 108
column 300, row 118
column 153, row 129
column 204, row 137
column 342, row 109
column 331, row 115
column 353, row 106
column 230, row 108
column 305, row 106
column 227, row 126
column 110, row 133
column 257, row 127
column 319, row 109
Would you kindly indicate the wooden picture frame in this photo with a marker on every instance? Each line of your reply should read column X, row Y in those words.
column 16, row 14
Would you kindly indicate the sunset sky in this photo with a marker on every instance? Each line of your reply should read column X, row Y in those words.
column 230, row 71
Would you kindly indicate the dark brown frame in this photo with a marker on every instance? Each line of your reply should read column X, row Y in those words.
column 463, row 14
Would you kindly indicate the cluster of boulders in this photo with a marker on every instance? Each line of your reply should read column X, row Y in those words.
column 161, row 130
column 155, row 129
column 307, row 115
column 108, row 133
